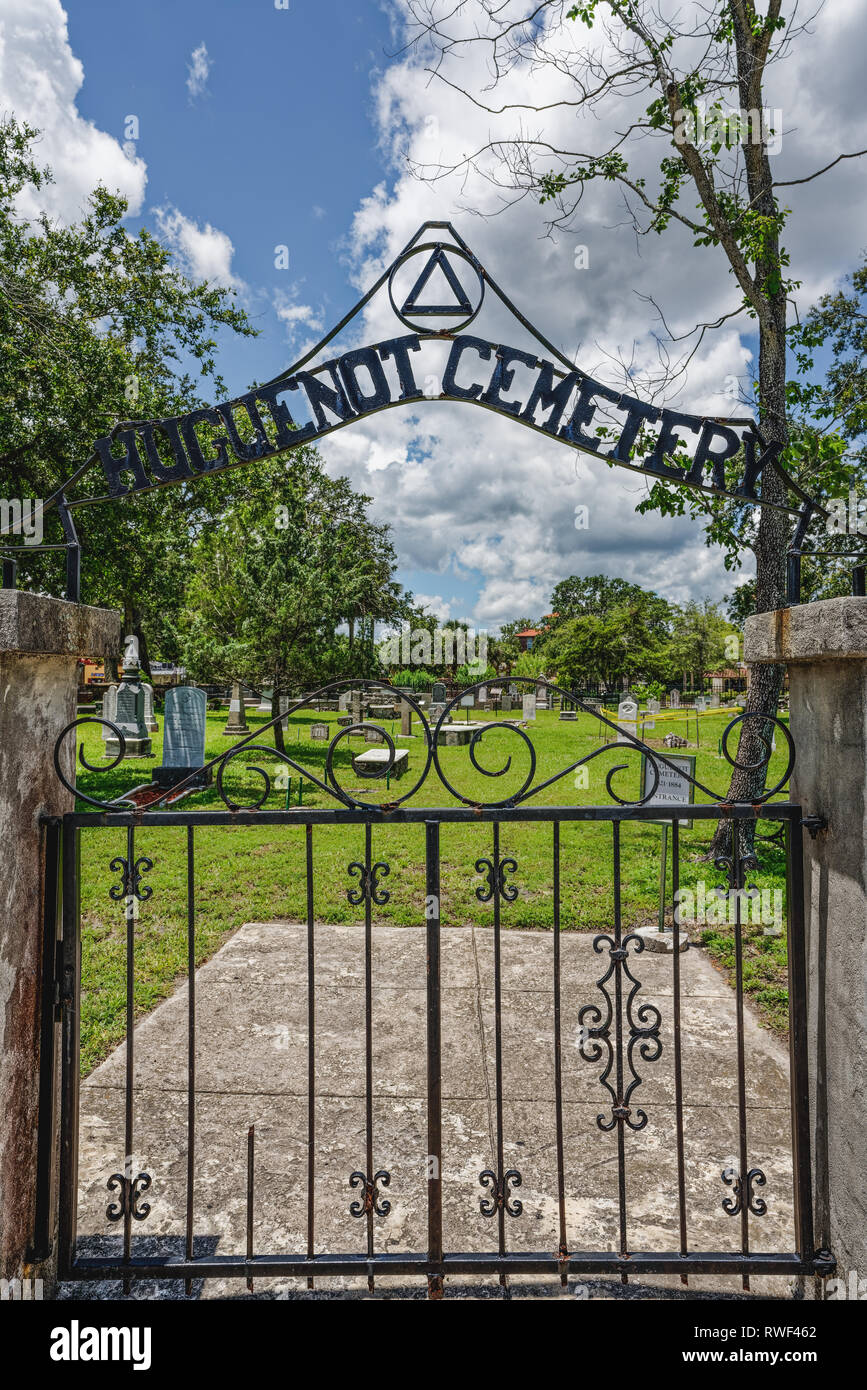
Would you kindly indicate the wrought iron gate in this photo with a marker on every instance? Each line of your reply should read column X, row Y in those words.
column 621, row 1037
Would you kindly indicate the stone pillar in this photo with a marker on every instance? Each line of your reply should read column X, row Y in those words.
column 824, row 647
column 41, row 640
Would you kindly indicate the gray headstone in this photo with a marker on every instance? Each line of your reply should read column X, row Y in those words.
column 506, row 704
column 267, row 700
column 714, row 699
column 372, row 735
column 653, row 706
column 184, row 727
column 343, row 700
column 405, row 717
column 439, row 694
column 129, row 718
column 319, row 731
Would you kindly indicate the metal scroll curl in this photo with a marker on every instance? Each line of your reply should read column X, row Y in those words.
column 119, row 803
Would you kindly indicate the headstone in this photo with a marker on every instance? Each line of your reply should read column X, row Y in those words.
column 513, row 690
column 627, row 714
column 149, row 718
column 109, row 709
column 528, row 705
column 319, row 732
column 700, row 703
column 237, row 721
column 483, row 694
column 266, row 702
column 714, row 699
column 343, row 701
column 374, row 762
column 653, row 706
column 439, row 694
column 129, row 718
column 405, row 718
column 373, row 735
column 355, row 706
column 674, row 699
column 506, row 704
column 283, row 708
column 183, row 736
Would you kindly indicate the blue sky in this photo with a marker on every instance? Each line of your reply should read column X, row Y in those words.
column 261, row 127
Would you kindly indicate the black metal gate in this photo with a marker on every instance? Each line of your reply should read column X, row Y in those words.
column 621, row 1033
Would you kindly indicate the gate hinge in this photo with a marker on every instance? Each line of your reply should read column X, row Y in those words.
column 824, row 1263
column 814, row 824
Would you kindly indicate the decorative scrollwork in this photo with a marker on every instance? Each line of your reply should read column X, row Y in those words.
column 131, row 885
column 369, row 884
column 757, row 750
column 500, row 1190
column 496, row 882
column 372, row 1200
column 734, row 1204
column 643, row 1023
column 130, row 1190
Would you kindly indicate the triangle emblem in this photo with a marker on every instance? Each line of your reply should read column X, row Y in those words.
column 461, row 305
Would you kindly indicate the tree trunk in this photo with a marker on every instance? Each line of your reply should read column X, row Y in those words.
column 279, row 741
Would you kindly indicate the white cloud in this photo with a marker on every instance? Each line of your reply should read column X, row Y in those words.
column 198, row 71
column 466, row 490
column 40, row 78
column 204, row 253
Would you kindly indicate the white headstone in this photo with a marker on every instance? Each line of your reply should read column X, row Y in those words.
column 149, row 718
column 528, row 706
column 319, row 732
column 627, row 715
column 653, row 706
column 267, row 700
column 109, row 708
column 674, row 699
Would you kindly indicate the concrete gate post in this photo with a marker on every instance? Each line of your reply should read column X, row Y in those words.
column 824, row 646
column 41, row 640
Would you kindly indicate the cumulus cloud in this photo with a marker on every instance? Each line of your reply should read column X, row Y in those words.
column 40, row 78
column 198, row 71
column 204, row 253
column 467, row 491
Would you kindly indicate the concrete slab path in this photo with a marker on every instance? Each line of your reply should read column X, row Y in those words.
column 251, row 1007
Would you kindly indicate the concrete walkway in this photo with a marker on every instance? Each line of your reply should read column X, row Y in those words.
column 252, row 1069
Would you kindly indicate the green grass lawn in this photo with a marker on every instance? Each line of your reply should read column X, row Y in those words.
column 258, row 873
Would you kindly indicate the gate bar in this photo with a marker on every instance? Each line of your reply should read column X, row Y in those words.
column 798, row 1068
column 70, row 994
column 43, row 1219
column 434, row 1063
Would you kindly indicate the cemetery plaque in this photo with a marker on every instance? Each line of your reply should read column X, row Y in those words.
column 673, row 787
column 319, row 732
